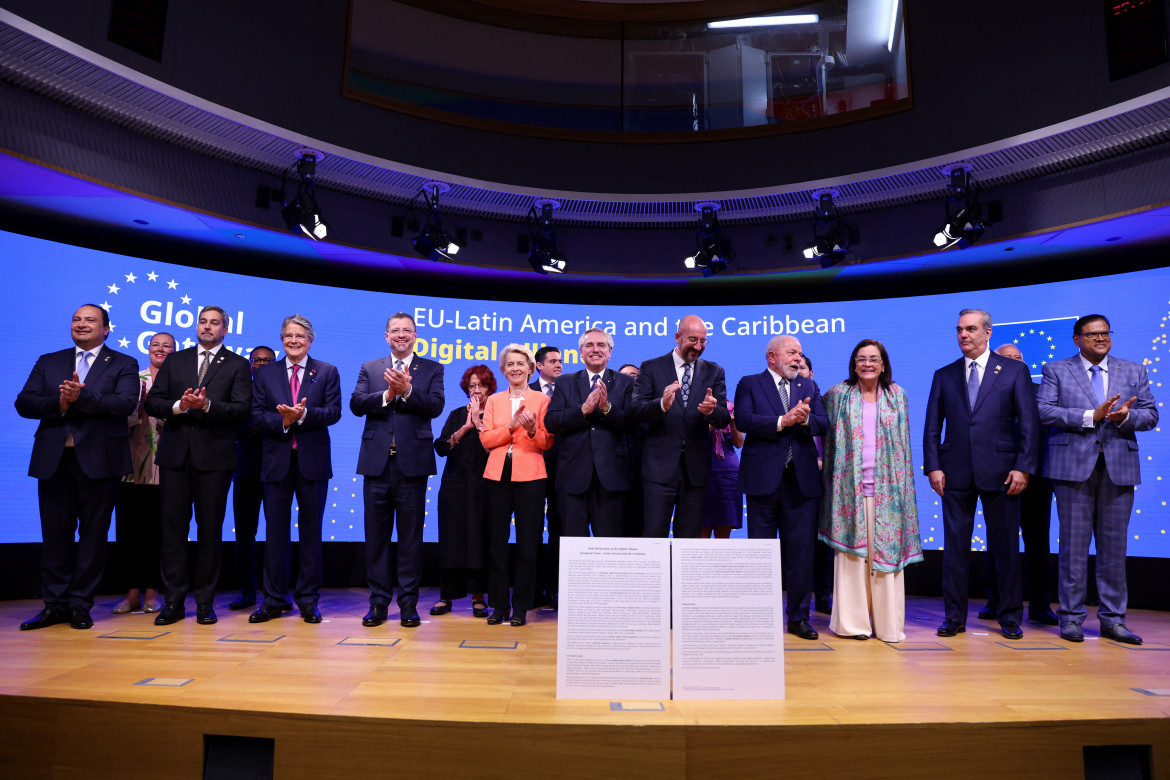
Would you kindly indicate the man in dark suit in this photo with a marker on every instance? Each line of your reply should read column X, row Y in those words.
column 1094, row 465
column 1035, row 522
column 635, row 437
column 293, row 404
column 398, row 395
column 549, row 366
column 679, row 395
column 780, row 411
column 82, row 397
column 991, row 446
column 587, row 417
column 202, row 395
column 248, row 494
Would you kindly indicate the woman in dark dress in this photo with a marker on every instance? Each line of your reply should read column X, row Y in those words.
column 722, row 501
column 462, row 500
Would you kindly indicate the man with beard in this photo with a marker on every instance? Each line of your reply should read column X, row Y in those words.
column 678, row 395
column 780, row 411
column 202, row 394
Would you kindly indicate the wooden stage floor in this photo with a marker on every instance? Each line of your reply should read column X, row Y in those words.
column 456, row 696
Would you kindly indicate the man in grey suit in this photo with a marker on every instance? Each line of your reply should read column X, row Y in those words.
column 1093, row 463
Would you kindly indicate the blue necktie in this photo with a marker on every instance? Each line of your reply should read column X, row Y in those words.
column 1097, row 382
column 83, row 365
column 686, row 384
column 973, row 384
column 593, row 384
column 784, row 400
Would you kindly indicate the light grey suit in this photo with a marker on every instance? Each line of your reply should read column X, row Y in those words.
column 1093, row 471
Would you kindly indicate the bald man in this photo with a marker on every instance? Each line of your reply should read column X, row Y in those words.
column 678, row 395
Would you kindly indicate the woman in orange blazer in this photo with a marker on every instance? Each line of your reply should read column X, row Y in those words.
column 515, row 438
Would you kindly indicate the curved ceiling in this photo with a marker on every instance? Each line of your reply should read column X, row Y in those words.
column 39, row 61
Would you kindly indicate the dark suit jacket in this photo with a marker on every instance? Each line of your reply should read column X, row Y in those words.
column 593, row 441
column 206, row 439
column 321, row 387
column 757, row 408
column 97, row 419
column 406, row 423
column 678, row 431
column 1001, row 434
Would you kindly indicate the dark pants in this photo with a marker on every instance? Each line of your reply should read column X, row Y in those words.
column 525, row 500
column 139, row 530
column 392, row 497
column 1001, row 520
column 457, row 582
column 207, row 491
column 596, row 508
column 679, row 496
column 278, row 496
column 790, row 515
column 1035, row 521
column 549, row 566
column 70, row 501
column 247, row 496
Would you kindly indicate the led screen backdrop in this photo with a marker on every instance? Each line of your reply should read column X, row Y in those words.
column 46, row 282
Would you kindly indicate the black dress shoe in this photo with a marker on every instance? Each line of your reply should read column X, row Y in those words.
column 205, row 614
column 802, row 629
column 498, row 616
column 310, row 613
column 951, row 627
column 442, row 607
column 519, row 617
column 1011, row 629
column 1072, row 632
column 79, row 618
column 824, row 605
column 479, row 609
column 861, row 636
column 376, row 616
column 243, row 602
column 265, row 612
column 408, row 616
column 1045, row 617
column 172, row 612
column 48, row 616
column 1119, row 633
column 287, row 606
column 987, row 613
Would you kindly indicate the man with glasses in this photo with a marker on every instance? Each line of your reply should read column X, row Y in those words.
column 780, row 412
column 247, row 495
column 678, row 395
column 991, row 446
column 398, row 395
column 1094, row 403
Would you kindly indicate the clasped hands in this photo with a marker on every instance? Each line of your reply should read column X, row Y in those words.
column 193, row 399
column 291, row 413
column 523, row 419
column 1106, row 411
column 399, row 382
column 797, row 415
column 70, row 391
column 598, row 398
column 705, row 407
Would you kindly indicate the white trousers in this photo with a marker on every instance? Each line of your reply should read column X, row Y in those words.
column 860, row 592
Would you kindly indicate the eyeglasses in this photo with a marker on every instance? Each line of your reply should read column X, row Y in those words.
column 1099, row 335
column 694, row 340
column 862, row 360
column 258, row 361
column 399, row 331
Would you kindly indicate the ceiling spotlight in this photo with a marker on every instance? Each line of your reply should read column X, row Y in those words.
column 712, row 251
column 830, row 244
column 433, row 242
column 965, row 222
column 302, row 213
column 544, row 257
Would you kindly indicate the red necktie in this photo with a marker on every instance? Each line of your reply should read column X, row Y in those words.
column 294, row 384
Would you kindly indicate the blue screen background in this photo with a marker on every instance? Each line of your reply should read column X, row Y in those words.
column 48, row 281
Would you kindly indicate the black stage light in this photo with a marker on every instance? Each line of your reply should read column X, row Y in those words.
column 433, row 243
column 830, row 244
column 544, row 257
column 965, row 221
column 302, row 213
column 712, row 252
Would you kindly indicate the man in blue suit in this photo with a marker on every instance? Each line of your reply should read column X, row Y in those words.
column 398, row 395
column 293, row 404
column 991, row 446
column 780, row 411
column 82, row 397
column 678, row 395
column 202, row 394
column 1094, row 464
column 587, row 417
